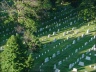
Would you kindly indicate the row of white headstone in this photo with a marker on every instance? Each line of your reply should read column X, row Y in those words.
column 60, row 62
column 53, row 28
column 49, row 25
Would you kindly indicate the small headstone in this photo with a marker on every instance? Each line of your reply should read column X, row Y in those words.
column 54, row 33
column 82, row 55
column 49, row 35
column 53, row 55
column 67, row 37
column 58, row 30
column 46, row 59
column 76, row 50
column 42, row 53
column 88, row 58
column 78, row 60
column 57, row 70
column 94, row 66
column 83, row 35
column 94, row 36
column 73, row 28
column 60, row 62
column 90, row 66
column 54, row 40
column 74, row 69
column 50, row 29
column 67, row 32
column 76, row 32
column 1, row 48
column 88, row 31
column 55, row 66
column 70, row 66
column 58, row 52
column 70, row 23
column 78, row 38
column 64, row 33
column 88, row 24
column 81, row 63
column 74, row 42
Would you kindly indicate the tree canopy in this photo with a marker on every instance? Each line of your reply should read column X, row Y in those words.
column 14, row 56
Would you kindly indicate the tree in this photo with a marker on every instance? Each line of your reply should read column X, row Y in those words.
column 32, row 42
column 14, row 57
column 26, row 14
column 88, row 10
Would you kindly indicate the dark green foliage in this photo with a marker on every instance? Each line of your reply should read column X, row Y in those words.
column 32, row 42
column 14, row 56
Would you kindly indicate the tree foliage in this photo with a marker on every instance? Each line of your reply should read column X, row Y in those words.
column 32, row 42
column 14, row 56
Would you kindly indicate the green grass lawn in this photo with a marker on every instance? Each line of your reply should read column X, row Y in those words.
column 49, row 66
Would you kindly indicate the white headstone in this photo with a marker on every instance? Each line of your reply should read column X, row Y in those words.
column 54, row 55
column 54, row 33
column 73, row 28
column 49, row 35
column 94, row 66
column 94, row 36
column 55, row 66
column 47, row 26
column 88, row 31
column 46, row 60
column 42, row 53
column 1, row 48
column 57, row 70
column 58, row 52
column 64, row 33
column 70, row 23
column 88, row 58
column 88, row 24
column 67, row 37
column 74, row 69
column 83, row 35
column 60, row 62
column 54, row 40
column 76, row 32
column 78, row 38
column 50, row 29
column 90, row 66
column 67, row 32
column 70, row 66
column 58, row 30
column 81, row 63
column 76, row 50
column 82, row 55
column 78, row 60
column 74, row 42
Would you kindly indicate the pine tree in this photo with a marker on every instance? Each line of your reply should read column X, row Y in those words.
column 14, row 57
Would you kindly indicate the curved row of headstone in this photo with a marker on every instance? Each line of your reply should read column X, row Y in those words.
column 51, row 57
column 80, row 63
column 65, row 34
column 49, row 35
column 56, row 21
column 86, row 58
column 66, row 46
column 73, row 41
column 60, row 13
column 58, row 52
column 58, row 25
